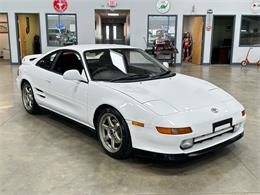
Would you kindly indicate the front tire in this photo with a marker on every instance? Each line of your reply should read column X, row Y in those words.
column 29, row 102
column 244, row 63
column 113, row 134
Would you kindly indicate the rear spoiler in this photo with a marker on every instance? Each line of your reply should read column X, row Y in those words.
column 30, row 58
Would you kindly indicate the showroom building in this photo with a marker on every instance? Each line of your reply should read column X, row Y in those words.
column 221, row 31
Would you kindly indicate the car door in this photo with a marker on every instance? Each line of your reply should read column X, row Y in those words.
column 40, row 77
column 67, row 97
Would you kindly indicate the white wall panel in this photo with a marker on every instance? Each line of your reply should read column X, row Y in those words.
column 139, row 10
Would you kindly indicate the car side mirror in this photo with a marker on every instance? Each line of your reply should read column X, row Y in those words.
column 166, row 64
column 73, row 75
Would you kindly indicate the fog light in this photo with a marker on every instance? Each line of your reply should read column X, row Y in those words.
column 237, row 126
column 188, row 143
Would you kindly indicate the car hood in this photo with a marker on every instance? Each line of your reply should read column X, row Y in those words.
column 180, row 92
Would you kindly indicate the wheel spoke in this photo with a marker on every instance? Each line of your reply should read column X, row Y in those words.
column 28, row 100
column 30, row 97
column 118, row 138
column 25, row 101
column 27, row 90
column 105, row 127
column 30, row 104
column 113, row 144
column 110, row 121
column 117, row 126
column 106, row 137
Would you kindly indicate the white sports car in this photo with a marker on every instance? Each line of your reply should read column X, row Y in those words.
column 134, row 102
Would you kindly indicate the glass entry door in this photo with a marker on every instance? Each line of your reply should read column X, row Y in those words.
column 113, row 33
column 112, row 26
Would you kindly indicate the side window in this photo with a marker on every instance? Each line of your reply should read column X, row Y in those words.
column 68, row 60
column 97, row 59
column 47, row 62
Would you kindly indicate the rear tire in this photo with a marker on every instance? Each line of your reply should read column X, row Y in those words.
column 258, row 63
column 28, row 100
column 113, row 134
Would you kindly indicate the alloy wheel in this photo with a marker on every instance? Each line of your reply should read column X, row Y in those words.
column 110, row 132
column 28, row 99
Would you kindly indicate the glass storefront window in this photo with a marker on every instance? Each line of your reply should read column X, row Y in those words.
column 250, row 31
column 61, row 29
column 161, row 28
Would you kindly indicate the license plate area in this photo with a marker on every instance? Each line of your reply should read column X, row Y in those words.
column 222, row 125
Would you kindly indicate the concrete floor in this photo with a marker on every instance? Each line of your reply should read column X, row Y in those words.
column 46, row 154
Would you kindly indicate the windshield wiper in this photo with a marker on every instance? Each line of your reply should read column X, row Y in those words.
column 144, row 76
column 168, row 72
column 131, row 77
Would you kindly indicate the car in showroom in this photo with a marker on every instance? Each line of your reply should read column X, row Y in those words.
column 135, row 103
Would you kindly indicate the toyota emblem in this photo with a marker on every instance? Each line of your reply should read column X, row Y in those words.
column 214, row 110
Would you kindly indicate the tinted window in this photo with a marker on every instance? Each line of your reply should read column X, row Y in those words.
column 47, row 61
column 250, row 31
column 68, row 60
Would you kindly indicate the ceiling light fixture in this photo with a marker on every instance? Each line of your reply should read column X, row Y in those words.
column 113, row 14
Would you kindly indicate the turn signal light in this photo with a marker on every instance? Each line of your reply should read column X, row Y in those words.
column 243, row 113
column 174, row 131
column 138, row 124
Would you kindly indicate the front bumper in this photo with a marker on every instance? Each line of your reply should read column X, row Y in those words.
column 181, row 157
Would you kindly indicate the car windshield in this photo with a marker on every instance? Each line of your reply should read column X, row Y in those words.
column 124, row 65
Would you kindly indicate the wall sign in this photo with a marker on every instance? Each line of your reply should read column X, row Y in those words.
column 163, row 6
column 60, row 5
column 255, row 6
column 112, row 3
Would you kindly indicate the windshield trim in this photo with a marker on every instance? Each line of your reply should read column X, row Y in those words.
column 128, row 81
column 144, row 79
